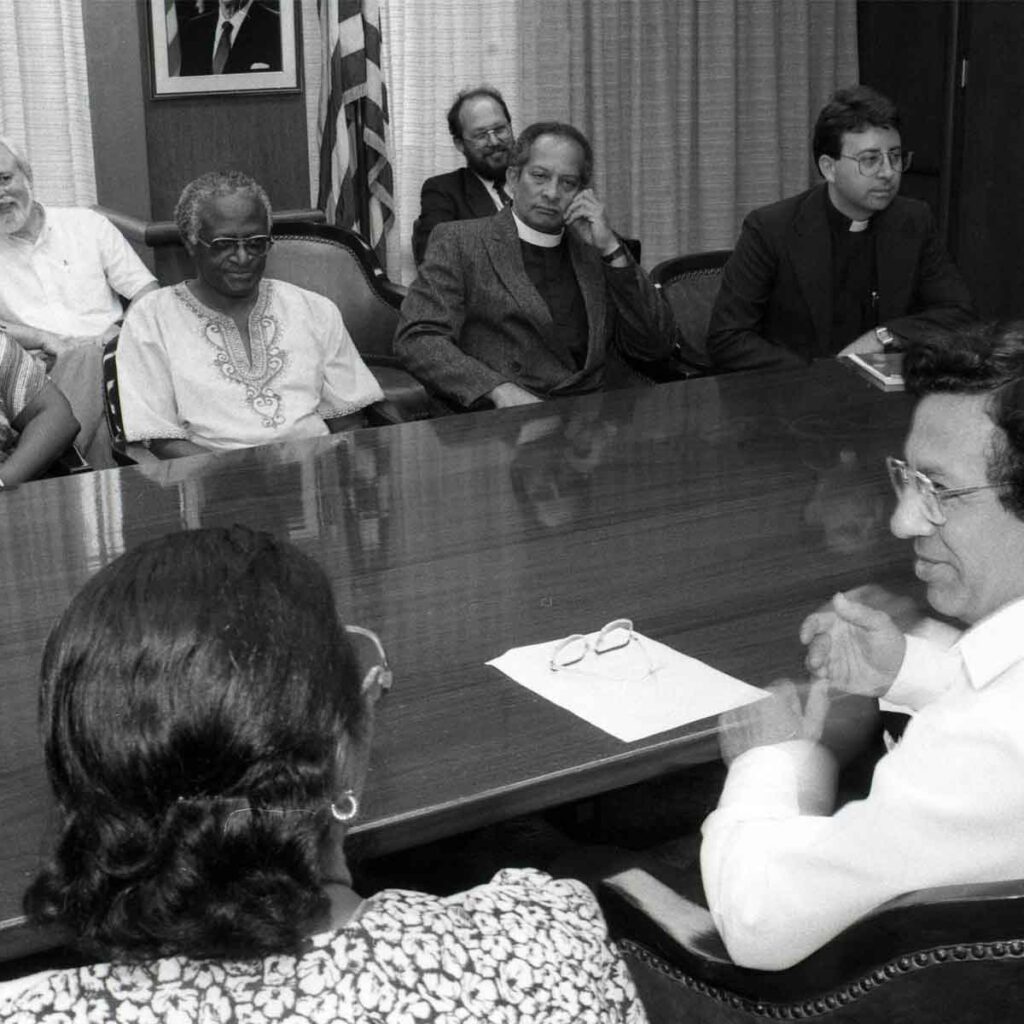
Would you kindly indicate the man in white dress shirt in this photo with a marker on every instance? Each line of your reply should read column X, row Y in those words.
column 63, row 273
column 783, row 873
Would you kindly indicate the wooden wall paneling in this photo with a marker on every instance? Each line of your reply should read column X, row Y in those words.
column 905, row 51
column 991, row 210
column 261, row 134
column 113, row 51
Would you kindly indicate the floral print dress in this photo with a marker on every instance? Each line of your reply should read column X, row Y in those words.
column 524, row 948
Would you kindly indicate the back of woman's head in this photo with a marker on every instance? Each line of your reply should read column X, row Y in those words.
column 194, row 694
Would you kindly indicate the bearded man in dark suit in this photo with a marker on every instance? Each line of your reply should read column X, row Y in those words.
column 481, row 129
column 253, row 36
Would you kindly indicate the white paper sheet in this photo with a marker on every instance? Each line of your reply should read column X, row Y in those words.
column 618, row 691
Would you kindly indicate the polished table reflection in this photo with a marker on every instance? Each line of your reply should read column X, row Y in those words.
column 715, row 513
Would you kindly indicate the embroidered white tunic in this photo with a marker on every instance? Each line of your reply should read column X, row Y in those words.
column 183, row 371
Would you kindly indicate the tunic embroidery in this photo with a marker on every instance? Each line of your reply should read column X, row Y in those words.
column 268, row 359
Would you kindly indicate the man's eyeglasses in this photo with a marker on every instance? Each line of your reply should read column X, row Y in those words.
column 373, row 662
column 254, row 245
column 615, row 636
column 502, row 133
column 871, row 163
column 931, row 495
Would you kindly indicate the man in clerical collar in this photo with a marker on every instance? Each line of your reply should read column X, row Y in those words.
column 530, row 303
column 848, row 266
column 481, row 129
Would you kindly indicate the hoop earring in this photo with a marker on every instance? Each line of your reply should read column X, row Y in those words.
column 351, row 807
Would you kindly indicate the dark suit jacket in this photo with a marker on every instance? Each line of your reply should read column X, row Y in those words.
column 457, row 195
column 774, row 306
column 473, row 319
column 258, row 42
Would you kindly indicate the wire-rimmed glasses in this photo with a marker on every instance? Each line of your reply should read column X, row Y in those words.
column 870, row 163
column 906, row 479
column 501, row 133
column 254, row 245
column 616, row 635
column 378, row 677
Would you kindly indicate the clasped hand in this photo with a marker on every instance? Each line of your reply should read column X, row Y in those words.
column 854, row 653
column 843, row 723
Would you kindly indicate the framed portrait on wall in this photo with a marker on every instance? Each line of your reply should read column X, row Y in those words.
column 222, row 46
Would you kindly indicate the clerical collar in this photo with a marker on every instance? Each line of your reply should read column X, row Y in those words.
column 535, row 237
column 839, row 220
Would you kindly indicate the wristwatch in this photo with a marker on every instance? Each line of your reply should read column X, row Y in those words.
column 886, row 339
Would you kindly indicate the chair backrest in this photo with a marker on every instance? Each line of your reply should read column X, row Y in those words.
column 112, row 405
column 340, row 265
column 690, row 283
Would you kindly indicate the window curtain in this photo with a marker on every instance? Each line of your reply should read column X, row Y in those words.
column 699, row 110
column 433, row 49
column 44, row 96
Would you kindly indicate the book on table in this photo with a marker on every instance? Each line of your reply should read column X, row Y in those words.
column 883, row 369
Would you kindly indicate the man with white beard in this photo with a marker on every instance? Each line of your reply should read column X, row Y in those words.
column 62, row 273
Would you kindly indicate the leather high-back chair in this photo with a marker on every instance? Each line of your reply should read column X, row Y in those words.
column 340, row 265
column 690, row 283
column 949, row 954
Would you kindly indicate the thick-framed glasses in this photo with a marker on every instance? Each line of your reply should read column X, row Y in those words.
column 373, row 662
column 254, row 245
column 502, row 133
column 933, row 498
column 871, row 163
column 615, row 636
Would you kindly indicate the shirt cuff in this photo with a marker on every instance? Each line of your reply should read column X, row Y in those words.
column 770, row 781
column 928, row 671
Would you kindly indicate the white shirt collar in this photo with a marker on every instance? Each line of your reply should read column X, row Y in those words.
column 992, row 645
column 535, row 237
column 492, row 190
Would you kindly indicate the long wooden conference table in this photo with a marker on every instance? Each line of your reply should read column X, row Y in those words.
column 715, row 513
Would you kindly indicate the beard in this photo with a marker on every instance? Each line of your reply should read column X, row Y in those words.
column 490, row 165
column 14, row 215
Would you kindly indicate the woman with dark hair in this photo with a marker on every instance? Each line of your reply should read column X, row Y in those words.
column 207, row 727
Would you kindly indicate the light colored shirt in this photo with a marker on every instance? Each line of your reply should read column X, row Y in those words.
column 183, row 372
column 946, row 807
column 70, row 278
column 523, row 949
column 492, row 191
column 535, row 237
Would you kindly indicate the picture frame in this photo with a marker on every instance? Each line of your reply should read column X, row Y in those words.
column 263, row 57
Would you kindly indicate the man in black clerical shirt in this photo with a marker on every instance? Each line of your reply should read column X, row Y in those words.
column 529, row 303
column 481, row 128
column 849, row 266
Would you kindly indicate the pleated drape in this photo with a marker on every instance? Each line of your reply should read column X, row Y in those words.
column 44, row 96
column 699, row 110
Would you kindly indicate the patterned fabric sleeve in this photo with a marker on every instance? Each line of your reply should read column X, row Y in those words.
column 21, row 378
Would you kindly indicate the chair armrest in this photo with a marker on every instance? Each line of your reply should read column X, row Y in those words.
column 395, row 293
column 951, row 923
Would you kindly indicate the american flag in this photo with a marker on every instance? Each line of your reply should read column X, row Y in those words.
column 356, row 179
